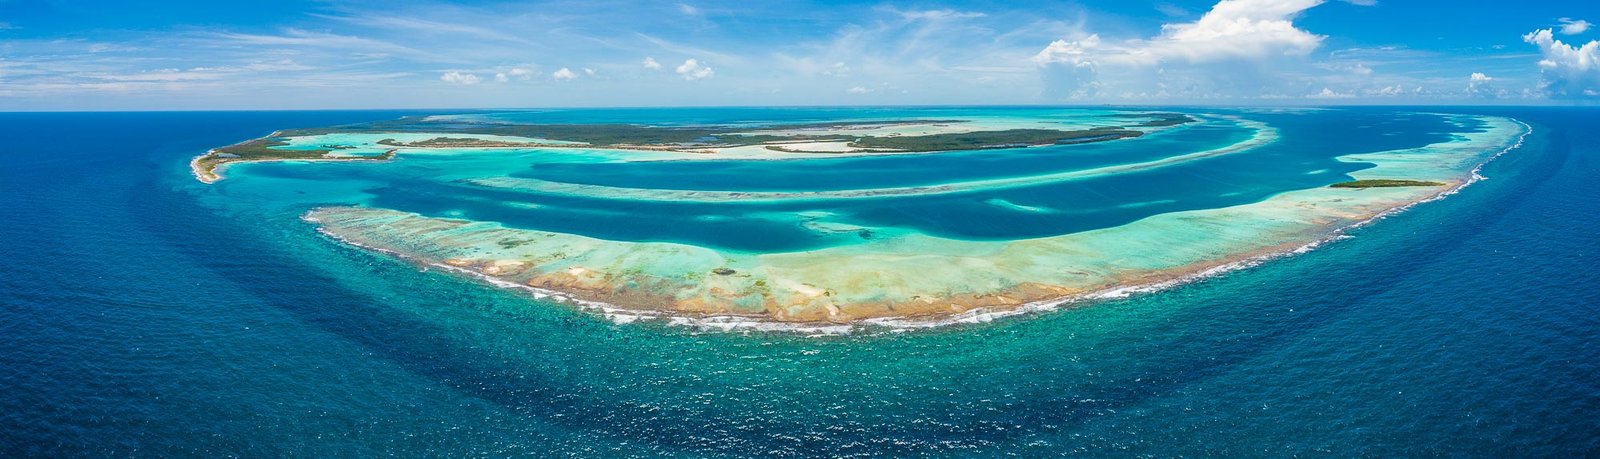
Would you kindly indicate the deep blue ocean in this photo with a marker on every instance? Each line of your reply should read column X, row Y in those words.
column 139, row 318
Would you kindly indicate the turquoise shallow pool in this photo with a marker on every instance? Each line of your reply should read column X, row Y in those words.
column 151, row 314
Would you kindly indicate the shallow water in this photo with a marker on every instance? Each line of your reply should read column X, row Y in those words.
column 148, row 314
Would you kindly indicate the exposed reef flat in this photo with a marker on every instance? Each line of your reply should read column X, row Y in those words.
column 913, row 276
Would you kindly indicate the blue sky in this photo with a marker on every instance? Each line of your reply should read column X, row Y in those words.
column 183, row 54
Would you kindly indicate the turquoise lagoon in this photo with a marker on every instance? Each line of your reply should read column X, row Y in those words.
column 820, row 232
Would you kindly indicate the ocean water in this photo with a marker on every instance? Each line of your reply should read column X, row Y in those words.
column 148, row 314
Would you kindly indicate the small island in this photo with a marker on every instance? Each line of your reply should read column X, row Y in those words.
column 207, row 167
column 822, row 138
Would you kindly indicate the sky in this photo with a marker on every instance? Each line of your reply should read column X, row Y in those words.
column 334, row 54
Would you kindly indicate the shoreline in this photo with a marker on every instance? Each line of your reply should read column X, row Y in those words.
column 205, row 175
column 214, row 173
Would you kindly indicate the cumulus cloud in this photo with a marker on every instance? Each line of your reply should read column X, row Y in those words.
column 650, row 63
column 1067, row 68
column 1233, row 29
column 694, row 70
column 1480, row 84
column 1225, row 50
column 1566, row 71
column 1068, row 52
column 1237, row 29
column 858, row 90
column 565, row 74
column 1570, row 26
column 459, row 78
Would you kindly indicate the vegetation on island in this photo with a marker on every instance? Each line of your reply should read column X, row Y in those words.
column 1383, row 183
column 981, row 140
column 205, row 166
column 1156, row 119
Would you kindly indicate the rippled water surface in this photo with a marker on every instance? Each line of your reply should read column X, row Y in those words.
column 147, row 314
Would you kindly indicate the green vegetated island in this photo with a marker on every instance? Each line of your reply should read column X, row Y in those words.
column 847, row 137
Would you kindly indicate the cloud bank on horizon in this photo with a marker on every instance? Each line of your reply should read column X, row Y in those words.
column 363, row 53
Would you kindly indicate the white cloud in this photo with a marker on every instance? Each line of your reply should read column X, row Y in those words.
column 688, row 9
column 1391, row 90
column 858, row 90
column 459, row 78
column 1237, row 47
column 565, row 74
column 1480, row 84
column 1329, row 94
column 693, row 70
column 1231, row 30
column 1075, row 53
column 650, row 63
column 588, row 71
column 1570, row 26
column 1067, row 68
column 1237, row 29
column 518, row 73
column 1567, row 72
column 838, row 69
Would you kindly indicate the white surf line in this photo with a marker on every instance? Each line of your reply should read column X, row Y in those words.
column 982, row 315
column 1264, row 135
